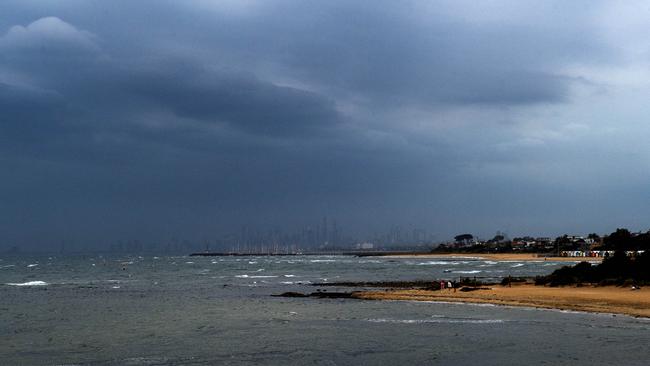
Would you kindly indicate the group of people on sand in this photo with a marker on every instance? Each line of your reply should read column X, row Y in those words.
column 448, row 285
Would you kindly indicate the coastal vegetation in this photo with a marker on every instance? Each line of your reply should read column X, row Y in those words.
column 619, row 269
column 621, row 239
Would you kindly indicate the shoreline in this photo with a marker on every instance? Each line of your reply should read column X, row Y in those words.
column 609, row 299
column 520, row 257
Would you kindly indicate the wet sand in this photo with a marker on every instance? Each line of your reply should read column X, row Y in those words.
column 616, row 300
column 522, row 257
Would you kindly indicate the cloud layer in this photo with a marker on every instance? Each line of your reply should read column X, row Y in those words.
column 150, row 120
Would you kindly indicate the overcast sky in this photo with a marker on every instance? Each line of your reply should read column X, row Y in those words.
column 152, row 119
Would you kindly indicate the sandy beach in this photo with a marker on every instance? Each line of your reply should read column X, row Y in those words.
column 608, row 299
column 522, row 257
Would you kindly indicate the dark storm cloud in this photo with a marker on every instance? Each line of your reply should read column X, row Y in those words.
column 205, row 115
column 243, row 102
column 393, row 54
column 21, row 104
column 30, row 118
column 390, row 51
column 63, row 57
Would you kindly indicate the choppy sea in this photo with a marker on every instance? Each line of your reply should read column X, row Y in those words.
column 146, row 310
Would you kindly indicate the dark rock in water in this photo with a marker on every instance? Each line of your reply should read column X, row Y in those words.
column 320, row 295
column 332, row 295
column 291, row 294
column 419, row 284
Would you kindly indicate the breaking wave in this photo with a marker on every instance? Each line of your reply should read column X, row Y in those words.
column 468, row 272
column 30, row 283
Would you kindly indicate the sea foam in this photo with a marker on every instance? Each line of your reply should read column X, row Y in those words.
column 30, row 283
column 249, row 276
column 468, row 272
column 435, row 263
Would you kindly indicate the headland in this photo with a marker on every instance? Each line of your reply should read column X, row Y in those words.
column 613, row 286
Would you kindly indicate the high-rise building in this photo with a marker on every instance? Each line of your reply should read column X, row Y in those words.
column 324, row 238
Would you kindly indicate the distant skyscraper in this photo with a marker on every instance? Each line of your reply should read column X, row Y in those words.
column 324, row 238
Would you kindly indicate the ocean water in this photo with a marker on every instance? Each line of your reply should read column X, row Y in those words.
column 135, row 310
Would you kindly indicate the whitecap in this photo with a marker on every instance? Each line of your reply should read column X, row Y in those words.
column 189, row 262
column 32, row 265
column 322, row 260
column 490, row 262
column 30, row 283
column 517, row 265
column 252, row 262
column 434, row 263
column 289, row 275
column 249, row 276
column 468, row 272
